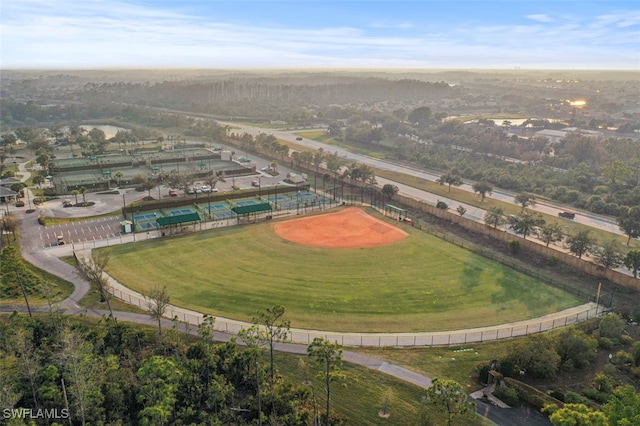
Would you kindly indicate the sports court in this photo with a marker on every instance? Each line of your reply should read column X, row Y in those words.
column 285, row 203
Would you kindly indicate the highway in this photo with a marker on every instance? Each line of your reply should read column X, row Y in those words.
column 592, row 220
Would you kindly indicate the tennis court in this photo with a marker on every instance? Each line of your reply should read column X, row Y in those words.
column 145, row 216
column 218, row 211
column 247, row 202
column 179, row 212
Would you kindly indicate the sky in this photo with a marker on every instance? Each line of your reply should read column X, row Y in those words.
column 320, row 34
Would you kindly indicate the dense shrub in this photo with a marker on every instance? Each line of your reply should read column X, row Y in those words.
column 574, row 398
column 483, row 373
column 507, row 395
column 605, row 343
column 595, row 395
column 611, row 326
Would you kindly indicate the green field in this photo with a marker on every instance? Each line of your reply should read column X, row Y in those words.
column 418, row 284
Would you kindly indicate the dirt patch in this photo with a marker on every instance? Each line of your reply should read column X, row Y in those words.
column 348, row 228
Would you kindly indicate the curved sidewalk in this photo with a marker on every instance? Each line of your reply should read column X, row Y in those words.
column 421, row 339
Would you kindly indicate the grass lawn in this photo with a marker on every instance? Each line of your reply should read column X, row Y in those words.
column 446, row 362
column 418, row 284
column 360, row 395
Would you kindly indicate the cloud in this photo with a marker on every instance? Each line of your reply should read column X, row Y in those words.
column 100, row 33
column 540, row 18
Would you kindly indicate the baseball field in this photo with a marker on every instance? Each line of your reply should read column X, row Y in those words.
column 348, row 270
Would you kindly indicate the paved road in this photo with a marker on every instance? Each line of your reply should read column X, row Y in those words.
column 590, row 219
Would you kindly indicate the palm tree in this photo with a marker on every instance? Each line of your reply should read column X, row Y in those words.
column 119, row 175
column 75, row 193
column 84, row 191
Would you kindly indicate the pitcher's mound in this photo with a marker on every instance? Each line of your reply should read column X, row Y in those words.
column 348, row 228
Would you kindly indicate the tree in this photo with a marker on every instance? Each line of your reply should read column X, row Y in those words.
column 272, row 330
column 119, row 175
column 577, row 415
column 75, row 193
column 38, row 180
column 525, row 200
column 494, row 217
column 483, row 188
column 328, row 356
column 450, row 179
column 92, row 270
column 159, row 380
column 81, row 371
column 29, row 361
column 611, row 326
column 448, row 397
column 84, row 191
column 389, row 190
column 632, row 261
column 157, row 303
column 607, row 255
column 147, row 185
column 9, row 224
column 251, row 337
column 550, row 233
column 576, row 348
column 318, row 158
column 616, row 171
column 623, row 406
column 461, row 210
column 629, row 222
column 526, row 223
column 535, row 355
column 580, row 243
column 421, row 116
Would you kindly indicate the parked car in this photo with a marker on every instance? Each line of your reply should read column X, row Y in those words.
column 67, row 203
column 206, row 188
column 567, row 215
column 298, row 138
column 255, row 183
column 173, row 193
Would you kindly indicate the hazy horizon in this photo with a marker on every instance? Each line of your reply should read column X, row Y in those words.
column 316, row 35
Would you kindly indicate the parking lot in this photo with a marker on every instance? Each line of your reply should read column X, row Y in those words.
column 80, row 232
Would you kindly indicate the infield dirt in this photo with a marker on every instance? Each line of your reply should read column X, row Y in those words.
column 348, row 228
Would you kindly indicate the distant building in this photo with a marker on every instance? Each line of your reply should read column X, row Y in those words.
column 553, row 136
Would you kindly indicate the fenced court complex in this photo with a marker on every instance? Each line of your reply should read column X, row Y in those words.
column 231, row 208
column 103, row 171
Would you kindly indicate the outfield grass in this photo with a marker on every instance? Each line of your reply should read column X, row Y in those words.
column 418, row 284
